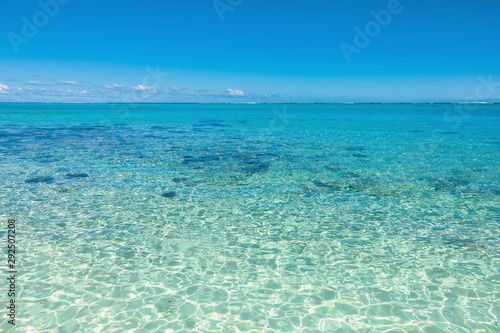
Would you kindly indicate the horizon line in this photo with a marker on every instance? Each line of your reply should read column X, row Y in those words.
column 257, row 103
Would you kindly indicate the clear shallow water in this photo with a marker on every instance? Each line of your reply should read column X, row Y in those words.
column 313, row 218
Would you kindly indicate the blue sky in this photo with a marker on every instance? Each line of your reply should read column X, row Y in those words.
column 249, row 51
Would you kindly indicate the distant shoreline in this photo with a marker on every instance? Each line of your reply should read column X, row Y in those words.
column 257, row 103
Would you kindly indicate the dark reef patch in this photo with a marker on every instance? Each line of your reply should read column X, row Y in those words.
column 161, row 128
column 200, row 130
column 327, row 185
column 256, row 168
column 201, row 159
column 41, row 179
column 465, row 242
column 362, row 185
column 351, row 175
column 211, row 123
column 447, row 184
column 76, row 175
column 333, row 167
column 354, row 149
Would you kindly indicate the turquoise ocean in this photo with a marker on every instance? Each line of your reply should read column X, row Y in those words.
column 252, row 218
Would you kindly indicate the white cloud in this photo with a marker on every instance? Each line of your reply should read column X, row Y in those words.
column 234, row 92
column 113, row 86
column 74, row 83
column 40, row 92
column 83, row 92
column 174, row 88
column 38, row 83
column 141, row 87
column 3, row 88
column 144, row 91
column 226, row 93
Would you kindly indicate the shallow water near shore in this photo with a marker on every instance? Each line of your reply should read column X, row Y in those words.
column 253, row 218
